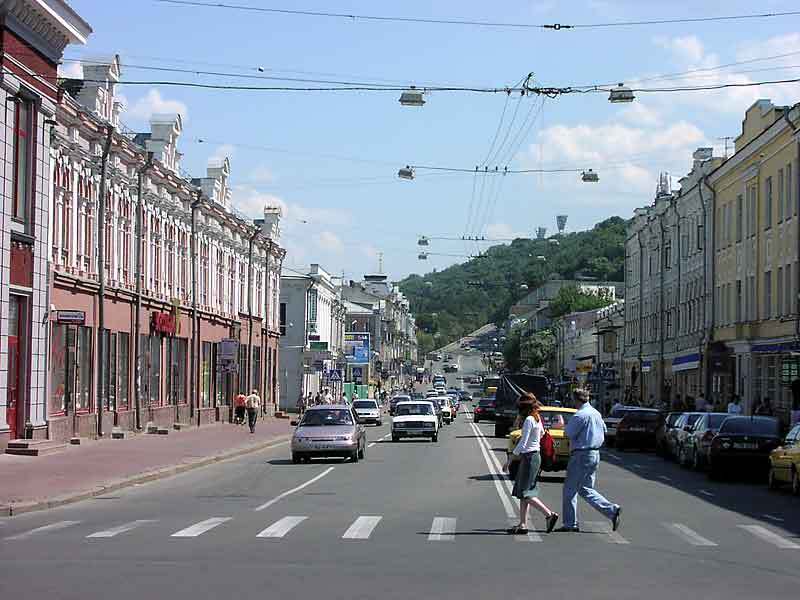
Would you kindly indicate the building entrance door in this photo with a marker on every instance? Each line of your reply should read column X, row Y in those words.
column 15, row 409
column 13, row 385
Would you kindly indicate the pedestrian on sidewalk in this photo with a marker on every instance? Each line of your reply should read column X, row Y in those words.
column 734, row 407
column 328, row 396
column 301, row 404
column 586, row 433
column 253, row 404
column 239, row 409
column 526, row 486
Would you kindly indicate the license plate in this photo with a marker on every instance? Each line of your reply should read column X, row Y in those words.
column 637, row 429
column 324, row 446
column 744, row 446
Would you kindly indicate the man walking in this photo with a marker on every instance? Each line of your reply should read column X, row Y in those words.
column 253, row 403
column 586, row 433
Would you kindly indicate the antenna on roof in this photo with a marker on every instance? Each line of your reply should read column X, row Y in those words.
column 380, row 263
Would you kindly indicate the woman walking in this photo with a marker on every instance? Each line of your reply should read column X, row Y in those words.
column 526, row 486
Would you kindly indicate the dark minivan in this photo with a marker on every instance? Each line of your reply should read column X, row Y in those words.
column 637, row 429
column 743, row 443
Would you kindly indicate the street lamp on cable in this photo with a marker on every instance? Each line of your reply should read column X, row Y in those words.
column 412, row 97
column 621, row 94
column 423, row 241
column 423, row 256
column 406, row 173
column 590, row 177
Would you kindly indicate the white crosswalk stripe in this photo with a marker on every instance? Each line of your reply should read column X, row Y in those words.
column 442, row 529
column 689, row 534
column 57, row 526
column 361, row 528
column 281, row 527
column 770, row 537
column 201, row 527
column 613, row 537
column 114, row 531
column 531, row 536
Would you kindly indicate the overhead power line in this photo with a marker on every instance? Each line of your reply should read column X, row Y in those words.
column 474, row 22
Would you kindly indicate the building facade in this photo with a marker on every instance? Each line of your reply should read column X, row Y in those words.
column 34, row 36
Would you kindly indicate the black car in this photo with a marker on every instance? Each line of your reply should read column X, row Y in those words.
column 484, row 411
column 678, row 434
column 465, row 396
column 743, row 443
column 637, row 429
column 696, row 445
column 662, row 433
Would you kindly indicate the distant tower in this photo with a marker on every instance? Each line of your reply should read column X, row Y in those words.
column 380, row 262
column 561, row 222
column 664, row 187
column 541, row 232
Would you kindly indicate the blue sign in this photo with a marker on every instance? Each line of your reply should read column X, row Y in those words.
column 356, row 348
column 334, row 376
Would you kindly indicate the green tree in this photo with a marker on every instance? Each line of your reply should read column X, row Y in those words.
column 571, row 299
column 539, row 348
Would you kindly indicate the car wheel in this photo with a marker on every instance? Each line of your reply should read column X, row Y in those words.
column 296, row 459
column 435, row 437
column 395, row 438
column 795, row 482
column 772, row 483
column 476, row 419
column 379, row 423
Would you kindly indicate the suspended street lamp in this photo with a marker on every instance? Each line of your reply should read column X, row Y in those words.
column 423, row 256
column 621, row 94
column 590, row 176
column 406, row 173
column 423, row 241
column 412, row 97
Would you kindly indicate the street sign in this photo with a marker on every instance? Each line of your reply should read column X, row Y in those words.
column 356, row 348
column 70, row 316
column 334, row 376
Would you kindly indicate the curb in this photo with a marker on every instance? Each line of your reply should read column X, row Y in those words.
column 10, row 510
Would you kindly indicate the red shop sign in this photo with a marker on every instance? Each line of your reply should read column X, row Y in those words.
column 163, row 323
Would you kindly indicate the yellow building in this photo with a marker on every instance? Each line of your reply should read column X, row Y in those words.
column 755, row 322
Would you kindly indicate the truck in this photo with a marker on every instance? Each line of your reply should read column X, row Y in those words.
column 510, row 388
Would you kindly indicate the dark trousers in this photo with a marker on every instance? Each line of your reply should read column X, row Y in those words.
column 252, row 415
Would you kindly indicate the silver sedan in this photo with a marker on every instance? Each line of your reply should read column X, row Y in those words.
column 329, row 430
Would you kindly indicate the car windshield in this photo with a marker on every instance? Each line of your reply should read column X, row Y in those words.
column 555, row 420
column 642, row 416
column 692, row 419
column 486, row 402
column 673, row 418
column 755, row 426
column 365, row 404
column 327, row 416
column 443, row 402
column 618, row 413
column 414, row 409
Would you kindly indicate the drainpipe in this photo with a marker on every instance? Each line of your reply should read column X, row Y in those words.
column 797, row 201
column 640, row 319
column 137, row 384
column 662, row 328
column 248, row 377
column 708, row 327
column 194, row 354
column 101, row 277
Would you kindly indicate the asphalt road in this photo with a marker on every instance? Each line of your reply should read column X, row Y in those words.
column 414, row 519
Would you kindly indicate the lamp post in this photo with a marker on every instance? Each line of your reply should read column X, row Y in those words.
column 195, row 353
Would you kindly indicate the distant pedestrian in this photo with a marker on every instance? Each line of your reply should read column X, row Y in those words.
column 302, row 405
column 734, row 407
column 253, row 403
column 700, row 403
column 526, row 486
column 328, row 396
column 344, row 398
column 586, row 433
column 239, row 409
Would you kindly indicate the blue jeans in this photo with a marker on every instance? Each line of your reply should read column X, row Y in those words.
column 580, row 480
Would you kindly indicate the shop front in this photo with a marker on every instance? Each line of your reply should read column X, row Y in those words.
column 686, row 381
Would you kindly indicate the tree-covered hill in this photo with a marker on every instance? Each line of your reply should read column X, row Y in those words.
column 448, row 302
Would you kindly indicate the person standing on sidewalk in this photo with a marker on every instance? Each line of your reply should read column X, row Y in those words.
column 586, row 433
column 239, row 409
column 253, row 404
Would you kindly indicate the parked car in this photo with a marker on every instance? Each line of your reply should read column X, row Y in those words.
column 368, row 411
column 637, row 429
column 695, row 447
column 415, row 419
column 613, row 419
column 784, row 463
column 484, row 411
column 744, row 443
column 329, row 430
column 663, row 431
column 677, row 435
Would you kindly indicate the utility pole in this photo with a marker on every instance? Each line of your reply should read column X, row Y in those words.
column 137, row 351
column 101, row 277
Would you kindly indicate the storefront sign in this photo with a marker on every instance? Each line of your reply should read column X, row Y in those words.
column 686, row 362
column 71, row 316
column 646, row 366
column 356, row 348
column 163, row 323
column 318, row 345
column 229, row 350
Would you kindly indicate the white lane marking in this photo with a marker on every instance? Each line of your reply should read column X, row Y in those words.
column 770, row 536
column 280, row 497
column 665, row 478
column 773, row 518
column 370, row 445
column 612, row 537
column 482, row 441
column 511, row 512
column 706, row 493
column 532, row 536
column 361, row 528
column 201, row 527
column 57, row 526
column 281, row 527
column 109, row 533
column 442, row 529
column 689, row 534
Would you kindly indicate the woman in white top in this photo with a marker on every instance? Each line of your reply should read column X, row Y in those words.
column 526, row 484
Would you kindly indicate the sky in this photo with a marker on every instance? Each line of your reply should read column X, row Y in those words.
column 330, row 159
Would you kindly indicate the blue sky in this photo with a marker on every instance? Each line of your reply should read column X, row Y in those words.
column 331, row 159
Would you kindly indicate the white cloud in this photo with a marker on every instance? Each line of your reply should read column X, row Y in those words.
column 684, row 48
column 329, row 242
column 71, row 70
column 504, row 231
column 252, row 202
column 262, row 174
column 222, row 152
column 153, row 103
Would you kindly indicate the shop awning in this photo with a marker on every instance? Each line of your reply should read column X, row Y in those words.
column 646, row 366
column 686, row 362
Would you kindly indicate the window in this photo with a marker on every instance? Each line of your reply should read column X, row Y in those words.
column 668, row 254
column 283, row 318
column 767, row 312
column 256, row 385
column 155, row 370
column 124, row 340
column 108, row 353
column 700, row 235
column 176, row 370
column 739, row 217
column 244, row 365
column 83, row 379
column 24, row 142
column 61, row 359
column 738, row 300
column 205, row 375
column 779, row 293
column 220, row 379
column 789, row 209
column 768, row 203
column 780, row 195
column 787, row 288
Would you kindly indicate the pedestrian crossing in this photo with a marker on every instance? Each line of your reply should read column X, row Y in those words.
column 440, row 529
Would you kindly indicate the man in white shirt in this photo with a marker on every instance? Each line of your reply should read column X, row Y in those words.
column 734, row 408
column 328, row 396
column 253, row 403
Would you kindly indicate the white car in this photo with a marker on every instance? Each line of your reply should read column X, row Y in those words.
column 447, row 408
column 368, row 411
column 415, row 419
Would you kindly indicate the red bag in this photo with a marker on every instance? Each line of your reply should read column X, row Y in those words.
column 547, row 450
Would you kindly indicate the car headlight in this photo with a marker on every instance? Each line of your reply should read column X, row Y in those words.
column 343, row 438
column 398, row 425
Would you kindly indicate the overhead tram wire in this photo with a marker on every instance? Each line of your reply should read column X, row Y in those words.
column 472, row 22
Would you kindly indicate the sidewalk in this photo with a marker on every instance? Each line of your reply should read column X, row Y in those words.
column 98, row 467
